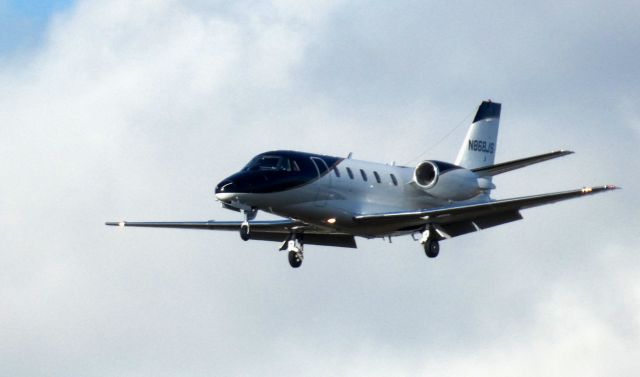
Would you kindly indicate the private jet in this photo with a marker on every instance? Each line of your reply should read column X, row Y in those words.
column 328, row 201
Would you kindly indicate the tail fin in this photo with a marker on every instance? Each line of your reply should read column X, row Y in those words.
column 479, row 146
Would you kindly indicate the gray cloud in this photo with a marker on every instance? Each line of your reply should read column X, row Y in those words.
column 137, row 109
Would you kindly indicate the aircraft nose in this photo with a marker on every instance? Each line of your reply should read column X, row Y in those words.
column 225, row 190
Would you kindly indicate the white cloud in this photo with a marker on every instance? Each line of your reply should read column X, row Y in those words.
column 137, row 109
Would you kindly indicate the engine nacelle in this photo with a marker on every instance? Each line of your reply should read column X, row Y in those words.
column 426, row 174
column 446, row 181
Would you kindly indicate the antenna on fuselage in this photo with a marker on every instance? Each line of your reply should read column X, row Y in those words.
column 449, row 133
column 349, row 155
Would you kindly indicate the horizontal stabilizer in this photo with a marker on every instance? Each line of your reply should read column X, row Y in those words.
column 491, row 170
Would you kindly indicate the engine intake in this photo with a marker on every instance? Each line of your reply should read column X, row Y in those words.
column 426, row 174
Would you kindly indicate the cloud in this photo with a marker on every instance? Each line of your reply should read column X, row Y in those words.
column 137, row 109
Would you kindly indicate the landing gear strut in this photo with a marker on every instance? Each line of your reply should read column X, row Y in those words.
column 293, row 244
column 245, row 233
column 430, row 242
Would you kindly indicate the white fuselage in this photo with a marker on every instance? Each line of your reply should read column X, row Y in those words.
column 332, row 201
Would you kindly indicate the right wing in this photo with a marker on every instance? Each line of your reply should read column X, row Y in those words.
column 270, row 230
column 465, row 218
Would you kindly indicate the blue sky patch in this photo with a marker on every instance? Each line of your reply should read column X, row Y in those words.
column 24, row 22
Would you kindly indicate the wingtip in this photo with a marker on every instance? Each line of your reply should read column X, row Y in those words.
column 116, row 223
column 596, row 189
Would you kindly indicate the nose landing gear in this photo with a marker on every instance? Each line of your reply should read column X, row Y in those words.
column 245, row 233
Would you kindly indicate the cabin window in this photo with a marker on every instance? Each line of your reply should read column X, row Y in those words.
column 364, row 175
column 375, row 174
column 350, row 173
column 335, row 170
column 394, row 180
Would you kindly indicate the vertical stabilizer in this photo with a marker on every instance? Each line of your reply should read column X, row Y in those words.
column 479, row 146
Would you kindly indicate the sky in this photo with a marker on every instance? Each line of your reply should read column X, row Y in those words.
column 116, row 109
column 23, row 23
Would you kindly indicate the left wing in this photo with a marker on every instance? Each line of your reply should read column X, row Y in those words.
column 461, row 219
column 274, row 230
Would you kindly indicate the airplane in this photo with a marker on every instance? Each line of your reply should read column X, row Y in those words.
column 328, row 201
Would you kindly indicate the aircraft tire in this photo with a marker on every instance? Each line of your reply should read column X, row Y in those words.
column 244, row 233
column 294, row 259
column 432, row 248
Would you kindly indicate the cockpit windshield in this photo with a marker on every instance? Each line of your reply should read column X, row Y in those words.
column 271, row 163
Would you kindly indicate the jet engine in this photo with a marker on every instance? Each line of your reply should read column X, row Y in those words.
column 446, row 181
column 426, row 174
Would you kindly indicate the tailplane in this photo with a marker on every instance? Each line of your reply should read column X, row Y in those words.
column 479, row 146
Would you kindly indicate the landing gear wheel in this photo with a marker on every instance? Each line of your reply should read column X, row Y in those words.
column 295, row 259
column 244, row 232
column 432, row 248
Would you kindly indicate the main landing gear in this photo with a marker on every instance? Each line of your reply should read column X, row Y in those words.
column 430, row 242
column 294, row 245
